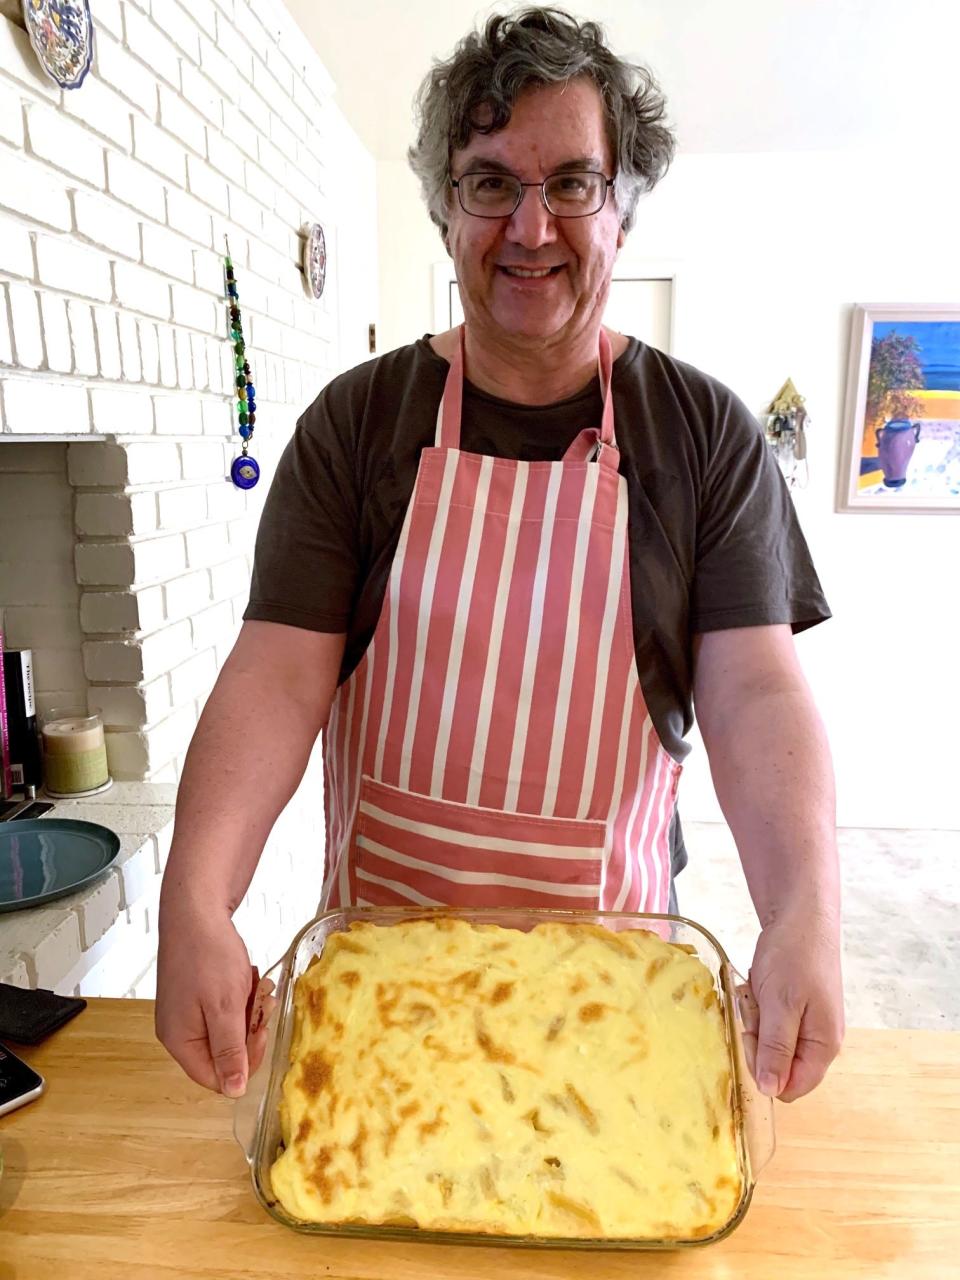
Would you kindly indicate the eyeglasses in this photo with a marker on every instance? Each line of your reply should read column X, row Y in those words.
column 575, row 194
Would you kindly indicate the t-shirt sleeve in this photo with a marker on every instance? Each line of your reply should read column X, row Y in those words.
column 306, row 561
column 753, row 566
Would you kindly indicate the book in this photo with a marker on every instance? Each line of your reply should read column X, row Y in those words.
column 26, row 766
column 6, row 777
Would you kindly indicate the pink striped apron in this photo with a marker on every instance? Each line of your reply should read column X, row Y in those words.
column 493, row 746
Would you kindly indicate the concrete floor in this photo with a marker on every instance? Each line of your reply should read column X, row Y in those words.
column 901, row 919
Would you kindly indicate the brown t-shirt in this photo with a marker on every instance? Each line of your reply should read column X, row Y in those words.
column 714, row 538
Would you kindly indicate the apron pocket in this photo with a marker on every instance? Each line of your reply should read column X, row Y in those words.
column 413, row 849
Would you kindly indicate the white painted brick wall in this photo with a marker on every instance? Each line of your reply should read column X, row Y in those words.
column 32, row 406
column 102, row 110
column 125, row 74
column 182, row 508
column 132, row 706
column 64, row 264
column 82, row 337
column 211, row 626
column 56, row 333
column 36, row 193
column 188, row 216
column 6, row 333
column 168, row 356
column 25, row 321
column 106, row 611
column 63, row 144
column 131, row 366
column 150, row 45
column 11, row 117
column 207, row 546
column 149, row 351
column 108, row 342
column 115, row 514
column 119, row 411
column 159, row 151
column 141, row 290
column 16, row 249
column 167, row 252
column 115, row 201
column 193, row 678
column 186, row 597
column 133, row 184
column 203, row 460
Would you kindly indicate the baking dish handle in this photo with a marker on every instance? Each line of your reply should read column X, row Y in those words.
column 261, row 1033
column 755, row 1107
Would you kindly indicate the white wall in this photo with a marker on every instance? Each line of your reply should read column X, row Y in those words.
column 408, row 245
column 773, row 250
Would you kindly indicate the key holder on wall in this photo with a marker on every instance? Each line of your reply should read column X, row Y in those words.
column 785, row 423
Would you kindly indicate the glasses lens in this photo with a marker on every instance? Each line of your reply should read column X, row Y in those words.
column 573, row 195
column 490, row 195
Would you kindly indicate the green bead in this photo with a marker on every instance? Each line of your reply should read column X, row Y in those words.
column 243, row 419
column 241, row 383
column 228, row 262
column 239, row 347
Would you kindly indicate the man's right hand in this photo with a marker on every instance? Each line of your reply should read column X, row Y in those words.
column 203, row 985
column 203, row 969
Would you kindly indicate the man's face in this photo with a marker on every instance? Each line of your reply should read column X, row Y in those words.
column 549, row 128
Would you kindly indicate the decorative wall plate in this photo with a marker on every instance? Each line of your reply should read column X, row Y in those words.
column 61, row 32
column 315, row 258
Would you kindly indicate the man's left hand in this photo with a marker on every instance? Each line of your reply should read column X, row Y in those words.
column 796, row 980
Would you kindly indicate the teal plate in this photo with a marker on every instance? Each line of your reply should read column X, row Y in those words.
column 44, row 858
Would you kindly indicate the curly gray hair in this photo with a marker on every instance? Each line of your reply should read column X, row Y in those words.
column 475, row 89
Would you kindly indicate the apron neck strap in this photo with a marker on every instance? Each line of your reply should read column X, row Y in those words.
column 606, row 378
column 451, row 403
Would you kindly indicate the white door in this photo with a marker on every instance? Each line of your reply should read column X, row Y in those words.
column 643, row 309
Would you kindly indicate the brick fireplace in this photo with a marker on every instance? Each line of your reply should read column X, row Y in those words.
column 124, row 548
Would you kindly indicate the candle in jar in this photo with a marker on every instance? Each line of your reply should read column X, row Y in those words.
column 74, row 754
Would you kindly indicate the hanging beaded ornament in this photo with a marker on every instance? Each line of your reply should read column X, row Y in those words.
column 244, row 471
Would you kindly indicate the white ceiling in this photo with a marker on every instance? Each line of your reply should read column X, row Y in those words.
column 740, row 75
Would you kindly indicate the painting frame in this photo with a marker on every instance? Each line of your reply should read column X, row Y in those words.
column 859, row 490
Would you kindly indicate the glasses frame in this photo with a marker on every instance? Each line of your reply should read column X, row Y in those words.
column 473, row 173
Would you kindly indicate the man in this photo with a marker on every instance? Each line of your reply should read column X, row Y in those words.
column 497, row 579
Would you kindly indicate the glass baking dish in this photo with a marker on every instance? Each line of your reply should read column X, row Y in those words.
column 257, row 1114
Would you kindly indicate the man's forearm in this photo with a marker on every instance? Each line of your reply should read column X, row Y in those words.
column 244, row 763
column 246, row 759
column 773, row 775
column 774, row 779
column 240, row 772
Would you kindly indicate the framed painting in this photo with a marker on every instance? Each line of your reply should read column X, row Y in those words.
column 901, row 432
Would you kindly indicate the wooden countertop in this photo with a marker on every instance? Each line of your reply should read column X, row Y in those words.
column 125, row 1168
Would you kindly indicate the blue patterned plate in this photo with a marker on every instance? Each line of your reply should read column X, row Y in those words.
column 61, row 32
column 44, row 858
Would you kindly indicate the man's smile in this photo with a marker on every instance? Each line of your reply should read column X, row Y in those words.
column 530, row 273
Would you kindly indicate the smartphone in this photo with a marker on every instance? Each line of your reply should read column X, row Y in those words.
column 19, row 1084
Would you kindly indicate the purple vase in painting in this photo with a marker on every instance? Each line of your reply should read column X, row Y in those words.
column 895, row 445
